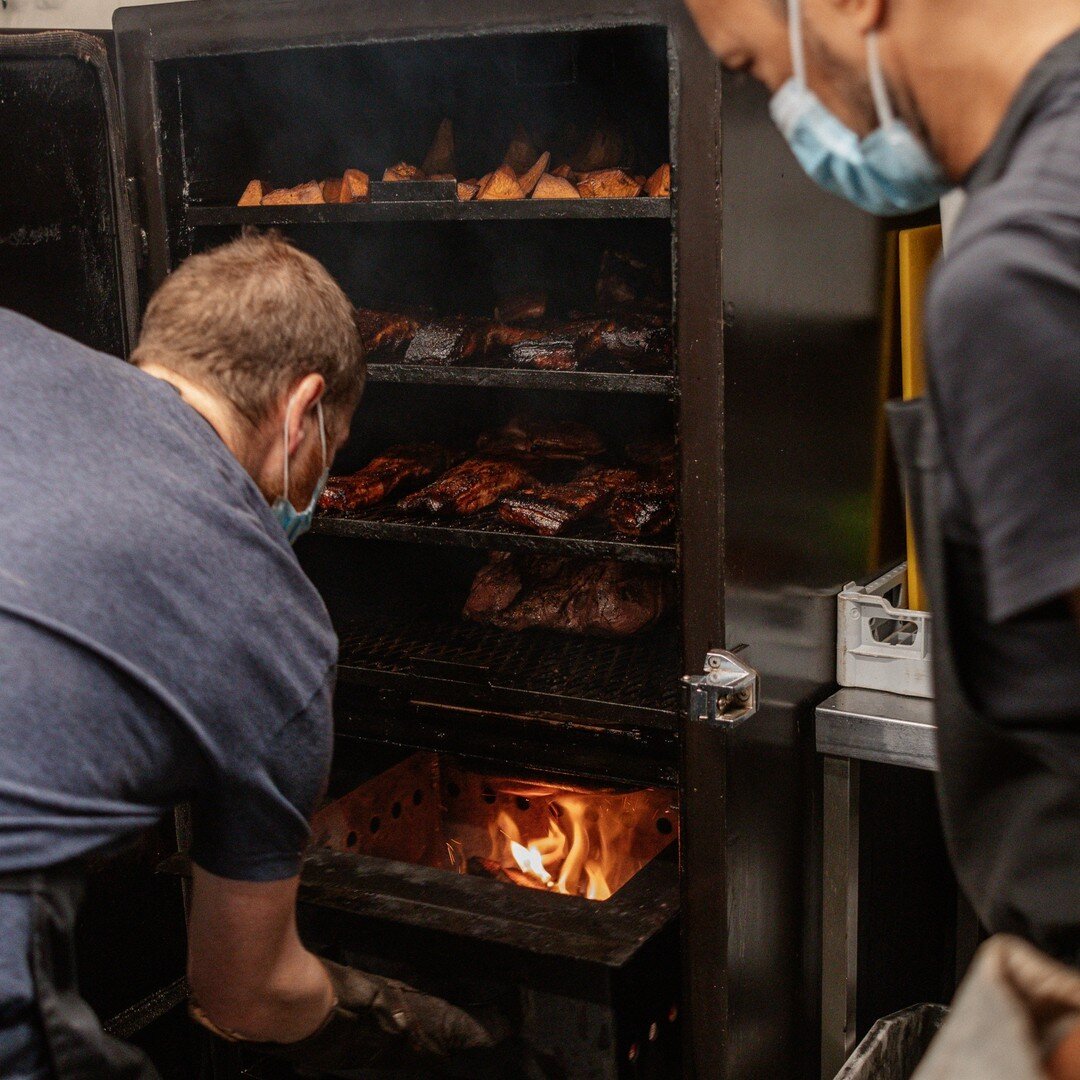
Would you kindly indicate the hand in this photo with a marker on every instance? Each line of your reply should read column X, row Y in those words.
column 380, row 1022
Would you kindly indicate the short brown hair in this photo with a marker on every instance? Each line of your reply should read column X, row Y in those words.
column 248, row 319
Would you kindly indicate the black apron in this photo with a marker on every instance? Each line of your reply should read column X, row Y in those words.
column 77, row 1047
column 996, row 787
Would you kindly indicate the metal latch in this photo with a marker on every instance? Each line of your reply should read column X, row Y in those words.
column 726, row 694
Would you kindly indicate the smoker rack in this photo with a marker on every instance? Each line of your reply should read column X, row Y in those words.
column 431, row 210
column 592, row 539
column 612, row 382
column 627, row 682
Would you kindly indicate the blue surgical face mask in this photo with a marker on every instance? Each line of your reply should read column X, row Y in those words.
column 297, row 522
column 888, row 172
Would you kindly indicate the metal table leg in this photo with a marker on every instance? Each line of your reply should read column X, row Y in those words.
column 839, row 911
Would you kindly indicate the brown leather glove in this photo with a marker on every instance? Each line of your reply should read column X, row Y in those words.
column 379, row 1023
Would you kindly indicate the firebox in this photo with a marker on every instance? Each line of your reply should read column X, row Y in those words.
column 614, row 457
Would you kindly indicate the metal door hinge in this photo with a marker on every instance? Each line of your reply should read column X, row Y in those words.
column 726, row 694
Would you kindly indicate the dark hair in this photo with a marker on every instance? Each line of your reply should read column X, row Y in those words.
column 248, row 319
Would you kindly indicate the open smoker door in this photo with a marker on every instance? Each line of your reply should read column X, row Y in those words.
column 67, row 245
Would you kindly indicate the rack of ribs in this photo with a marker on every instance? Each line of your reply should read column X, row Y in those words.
column 550, row 509
column 400, row 467
column 644, row 509
column 467, row 488
column 638, row 342
column 447, row 342
column 604, row 599
column 555, row 439
column 384, row 335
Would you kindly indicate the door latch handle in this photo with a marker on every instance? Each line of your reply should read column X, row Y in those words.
column 726, row 694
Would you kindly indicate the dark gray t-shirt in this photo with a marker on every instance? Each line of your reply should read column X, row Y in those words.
column 158, row 640
column 1003, row 335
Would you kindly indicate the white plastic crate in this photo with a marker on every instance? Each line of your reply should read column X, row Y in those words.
column 880, row 646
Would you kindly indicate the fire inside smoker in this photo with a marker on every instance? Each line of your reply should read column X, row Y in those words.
column 556, row 837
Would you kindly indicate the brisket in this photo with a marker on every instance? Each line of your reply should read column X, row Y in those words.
column 564, row 439
column 549, row 509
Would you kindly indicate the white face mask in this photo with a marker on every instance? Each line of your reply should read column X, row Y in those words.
column 297, row 522
column 888, row 172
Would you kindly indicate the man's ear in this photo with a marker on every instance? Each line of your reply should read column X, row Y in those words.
column 303, row 395
column 868, row 14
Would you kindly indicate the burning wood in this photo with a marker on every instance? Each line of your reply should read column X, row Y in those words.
column 522, row 152
column 528, row 180
column 253, row 194
column 467, row 190
column 439, row 162
column 355, row 186
column 564, row 172
column 554, row 187
column 500, row 184
column 403, row 171
column 331, row 189
column 608, row 184
column 658, row 186
column 301, row 195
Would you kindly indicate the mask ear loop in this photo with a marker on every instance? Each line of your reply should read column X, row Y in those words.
column 795, row 40
column 322, row 431
column 878, row 91
column 285, row 433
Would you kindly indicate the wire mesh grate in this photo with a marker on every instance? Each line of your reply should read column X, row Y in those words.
column 633, row 678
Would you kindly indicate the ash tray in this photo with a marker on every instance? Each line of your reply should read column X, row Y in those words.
column 414, row 191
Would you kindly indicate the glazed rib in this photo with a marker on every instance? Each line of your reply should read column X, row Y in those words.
column 383, row 334
column 467, row 488
column 550, row 509
column 645, row 509
column 399, row 467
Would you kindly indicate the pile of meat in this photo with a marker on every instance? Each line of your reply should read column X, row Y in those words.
column 631, row 332
column 600, row 166
column 542, row 476
column 600, row 599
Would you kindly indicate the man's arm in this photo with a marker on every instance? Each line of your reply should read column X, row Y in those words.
column 247, row 968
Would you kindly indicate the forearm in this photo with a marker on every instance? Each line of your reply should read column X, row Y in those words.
column 250, row 974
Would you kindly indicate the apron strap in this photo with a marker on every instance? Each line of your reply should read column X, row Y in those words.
column 78, row 1047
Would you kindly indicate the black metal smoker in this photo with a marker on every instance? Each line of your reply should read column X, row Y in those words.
column 776, row 307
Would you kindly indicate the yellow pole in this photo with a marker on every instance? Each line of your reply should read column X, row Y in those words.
column 918, row 250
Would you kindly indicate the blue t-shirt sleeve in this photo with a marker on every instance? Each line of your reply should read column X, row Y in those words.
column 1004, row 333
column 251, row 821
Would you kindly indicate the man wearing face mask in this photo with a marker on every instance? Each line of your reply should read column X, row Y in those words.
column 888, row 103
column 159, row 643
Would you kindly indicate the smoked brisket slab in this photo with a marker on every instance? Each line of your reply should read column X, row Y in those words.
column 640, row 343
column 549, row 509
column 399, row 467
column 446, row 342
column 603, row 599
column 555, row 439
column 467, row 488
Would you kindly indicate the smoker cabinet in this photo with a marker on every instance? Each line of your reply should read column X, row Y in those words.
column 706, row 961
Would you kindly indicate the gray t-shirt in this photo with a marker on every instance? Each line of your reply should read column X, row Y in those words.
column 1003, row 335
column 158, row 640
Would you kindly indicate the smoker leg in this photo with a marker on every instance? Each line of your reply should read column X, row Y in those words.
column 839, row 911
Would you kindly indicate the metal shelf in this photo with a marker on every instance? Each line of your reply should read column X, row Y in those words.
column 442, row 210
column 616, row 382
column 626, row 682
column 487, row 531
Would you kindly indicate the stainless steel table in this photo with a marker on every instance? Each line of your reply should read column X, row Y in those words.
column 851, row 727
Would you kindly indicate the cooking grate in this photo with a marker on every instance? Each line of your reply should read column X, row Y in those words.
column 633, row 681
column 486, row 530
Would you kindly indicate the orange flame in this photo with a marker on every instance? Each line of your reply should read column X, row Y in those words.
column 588, row 849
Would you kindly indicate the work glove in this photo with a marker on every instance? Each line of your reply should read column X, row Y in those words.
column 378, row 1023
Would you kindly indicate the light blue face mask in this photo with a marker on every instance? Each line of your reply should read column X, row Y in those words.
column 888, row 172
column 297, row 522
